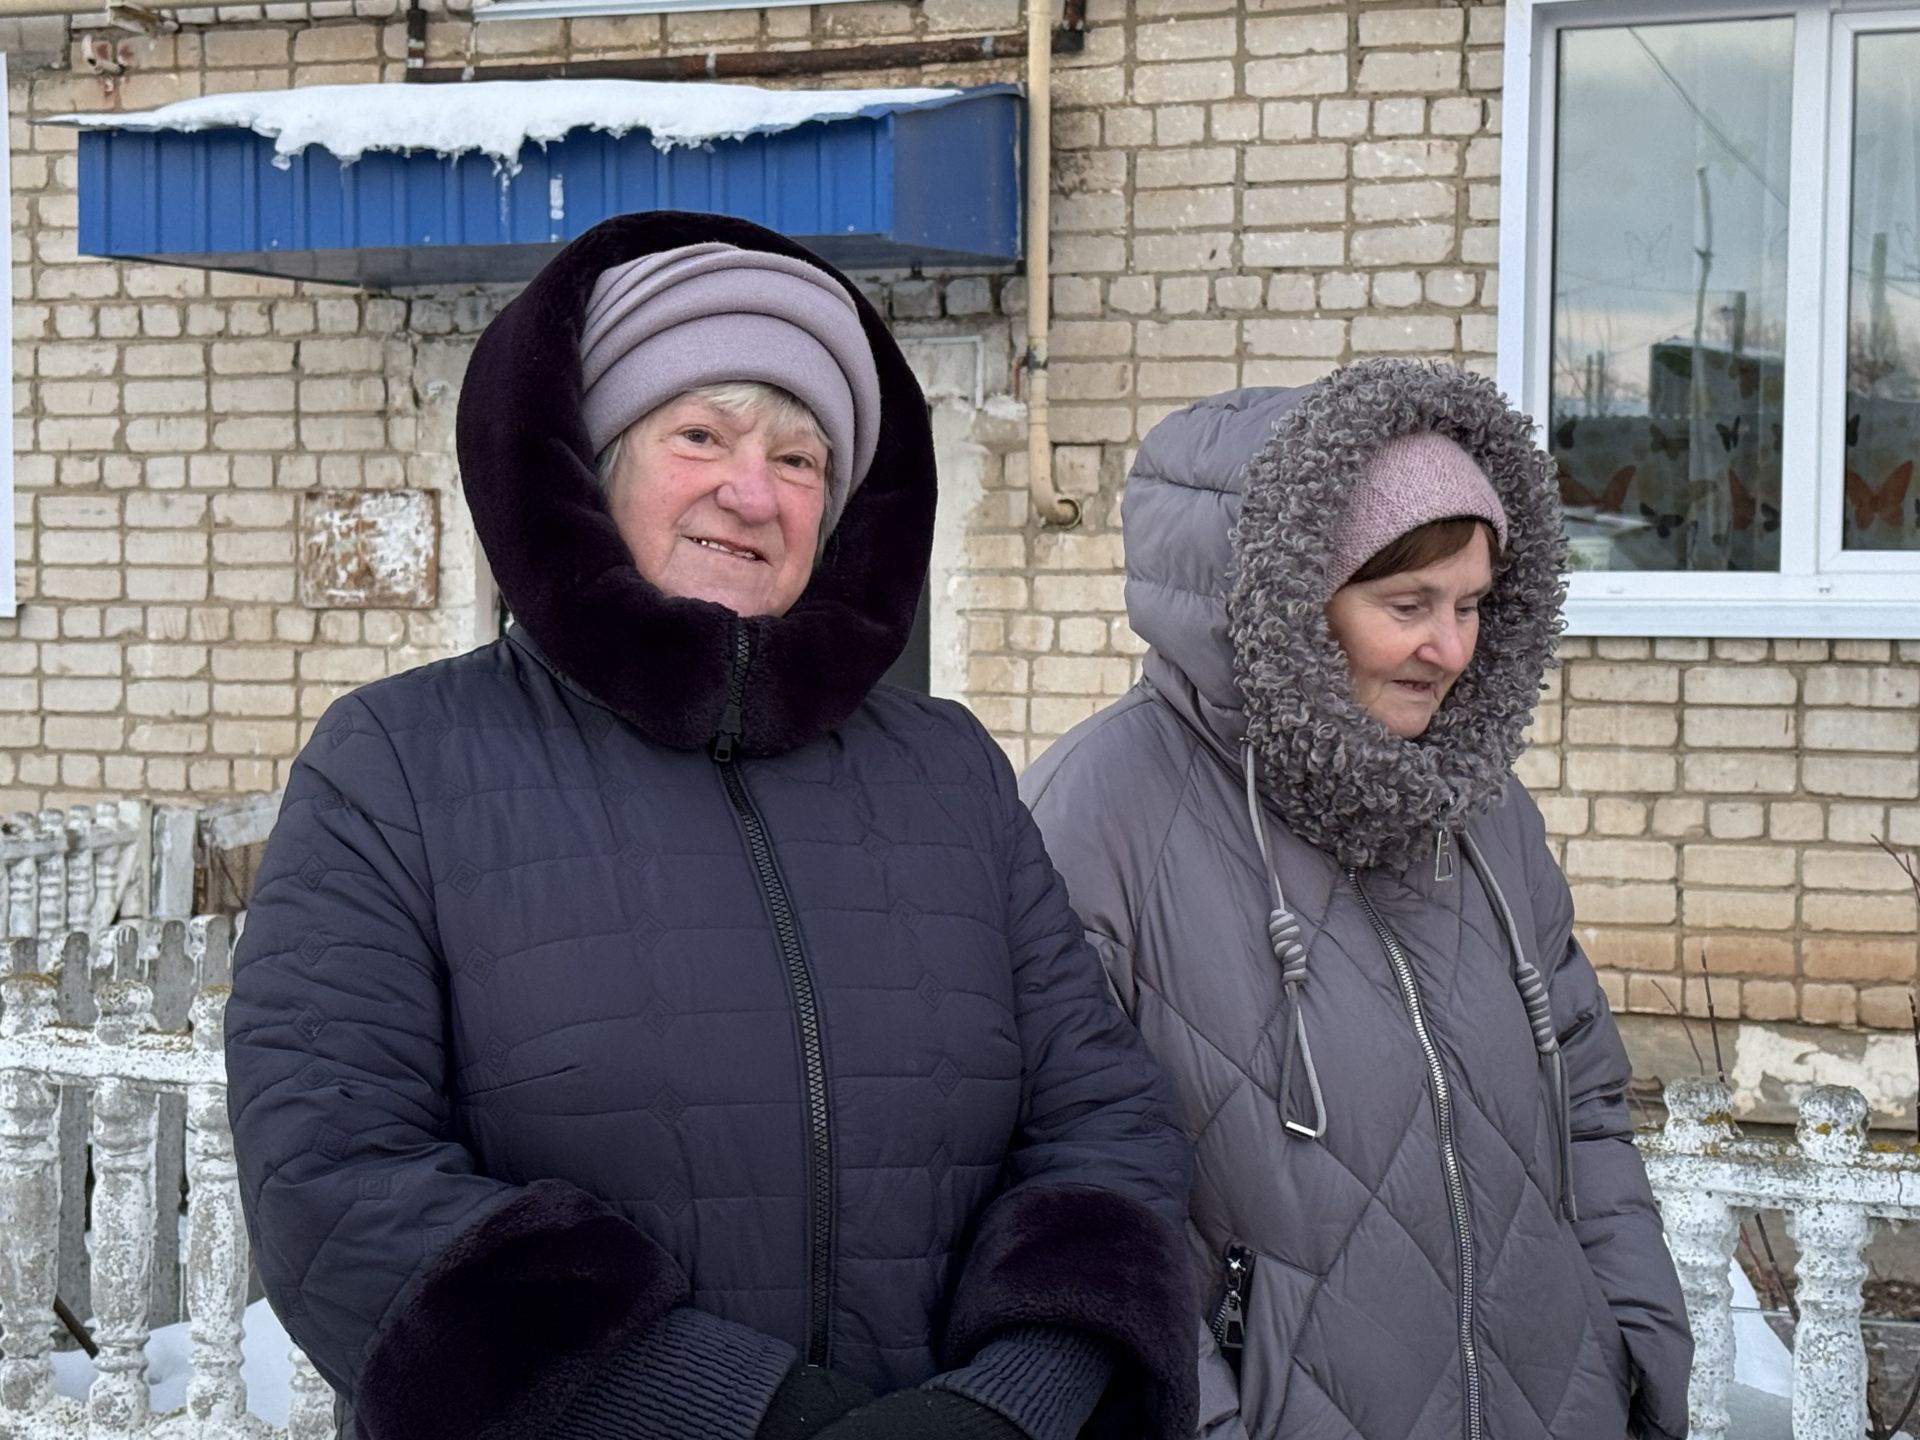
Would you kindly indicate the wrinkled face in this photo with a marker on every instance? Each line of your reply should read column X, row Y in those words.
column 721, row 506
column 1409, row 636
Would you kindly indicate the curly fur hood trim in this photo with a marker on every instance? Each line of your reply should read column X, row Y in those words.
column 1337, row 776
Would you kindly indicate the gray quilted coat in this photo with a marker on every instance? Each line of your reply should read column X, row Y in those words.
column 650, row 959
column 1467, row 1247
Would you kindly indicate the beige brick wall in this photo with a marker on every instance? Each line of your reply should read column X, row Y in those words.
column 1245, row 193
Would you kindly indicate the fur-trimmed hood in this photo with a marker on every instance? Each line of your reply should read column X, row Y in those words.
column 1231, row 511
column 664, row 663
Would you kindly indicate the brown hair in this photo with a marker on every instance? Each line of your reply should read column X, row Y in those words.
column 1426, row 545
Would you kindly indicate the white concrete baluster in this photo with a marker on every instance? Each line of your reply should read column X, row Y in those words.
column 1829, row 1357
column 125, row 1115
column 311, row 1415
column 22, row 881
column 29, row 1181
column 108, row 879
column 1701, row 1229
column 216, row 1233
column 52, row 829
column 80, row 871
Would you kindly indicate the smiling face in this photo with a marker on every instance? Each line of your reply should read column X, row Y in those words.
column 722, row 503
column 1409, row 636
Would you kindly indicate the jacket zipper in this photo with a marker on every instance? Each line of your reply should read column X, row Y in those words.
column 805, row 1009
column 1229, row 1324
column 1449, row 1153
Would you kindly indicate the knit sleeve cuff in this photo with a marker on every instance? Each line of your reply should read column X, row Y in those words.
column 1046, row 1379
column 693, row 1374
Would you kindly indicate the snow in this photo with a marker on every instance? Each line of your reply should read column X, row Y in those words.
column 266, row 1367
column 1760, row 1359
column 498, row 117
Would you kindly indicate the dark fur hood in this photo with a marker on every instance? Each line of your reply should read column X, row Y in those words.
column 663, row 663
column 1229, row 580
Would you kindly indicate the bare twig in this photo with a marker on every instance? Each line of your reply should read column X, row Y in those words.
column 1713, row 1019
column 1913, row 1010
column 74, row 1328
column 1686, row 1026
column 1773, row 1269
column 1905, row 1410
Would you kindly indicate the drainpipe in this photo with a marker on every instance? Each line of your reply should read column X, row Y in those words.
column 1053, row 508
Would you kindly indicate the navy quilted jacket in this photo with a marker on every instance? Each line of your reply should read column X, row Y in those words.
column 650, row 958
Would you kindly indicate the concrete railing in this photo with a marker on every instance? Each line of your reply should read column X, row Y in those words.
column 1832, row 1186
column 125, row 1063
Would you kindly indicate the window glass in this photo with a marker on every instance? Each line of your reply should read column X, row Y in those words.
column 1669, row 292
column 1880, row 506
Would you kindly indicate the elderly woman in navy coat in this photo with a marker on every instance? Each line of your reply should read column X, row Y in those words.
column 649, row 1026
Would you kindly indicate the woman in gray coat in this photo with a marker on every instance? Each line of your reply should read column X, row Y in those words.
column 1325, row 900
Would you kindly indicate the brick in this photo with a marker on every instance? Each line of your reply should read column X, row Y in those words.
column 1304, row 75
column 1266, row 163
column 1304, row 249
column 1613, row 816
column 1192, row 80
column 1739, row 728
column 1744, row 685
column 1608, row 772
column 1385, row 28
column 1627, row 726
column 1180, row 169
column 1738, row 909
column 1393, row 159
column 1857, row 958
column 1295, row 205
column 1884, row 686
column 1297, row 35
column 1880, row 779
column 1629, row 949
column 1406, row 200
column 1886, row 1007
column 1425, row 72
column 1202, row 250
column 1643, row 904
column 1381, row 335
column 1735, row 774
column 1187, row 337
column 1186, row 39
column 1737, row 820
column 1828, row 1004
column 1183, row 379
column 1861, row 914
column 1758, row 865
column 1412, row 244
column 1620, row 860
column 1739, row 954
column 1861, row 869
column 1679, row 817
column 1863, row 730
column 1325, row 338
column 1769, row 1000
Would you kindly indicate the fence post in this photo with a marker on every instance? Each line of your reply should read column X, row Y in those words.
column 1829, row 1355
column 29, row 1181
column 1701, row 1229
column 216, row 1233
column 170, row 972
column 124, row 1122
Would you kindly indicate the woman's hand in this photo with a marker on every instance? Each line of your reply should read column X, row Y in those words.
column 809, row 1399
column 922, row 1415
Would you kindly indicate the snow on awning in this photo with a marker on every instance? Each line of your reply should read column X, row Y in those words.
column 384, row 185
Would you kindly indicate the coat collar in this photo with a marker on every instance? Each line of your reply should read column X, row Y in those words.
column 662, row 662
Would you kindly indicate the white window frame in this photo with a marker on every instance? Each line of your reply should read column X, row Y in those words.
column 1820, row 590
column 557, row 9
column 9, row 592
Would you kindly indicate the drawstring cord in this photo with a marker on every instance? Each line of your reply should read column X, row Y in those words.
column 1539, row 1005
column 1283, row 937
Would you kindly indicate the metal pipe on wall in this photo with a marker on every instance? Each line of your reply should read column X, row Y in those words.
column 1053, row 508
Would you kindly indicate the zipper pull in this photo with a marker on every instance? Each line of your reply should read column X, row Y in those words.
column 729, row 732
column 1443, row 863
column 1230, row 1320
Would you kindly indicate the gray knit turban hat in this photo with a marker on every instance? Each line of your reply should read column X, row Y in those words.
column 714, row 314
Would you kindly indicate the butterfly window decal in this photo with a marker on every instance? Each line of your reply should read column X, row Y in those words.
column 1610, row 497
column 1745, row 508
column 1883, row 504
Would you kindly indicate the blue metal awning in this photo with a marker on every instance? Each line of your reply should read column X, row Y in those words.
column 928, row 184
